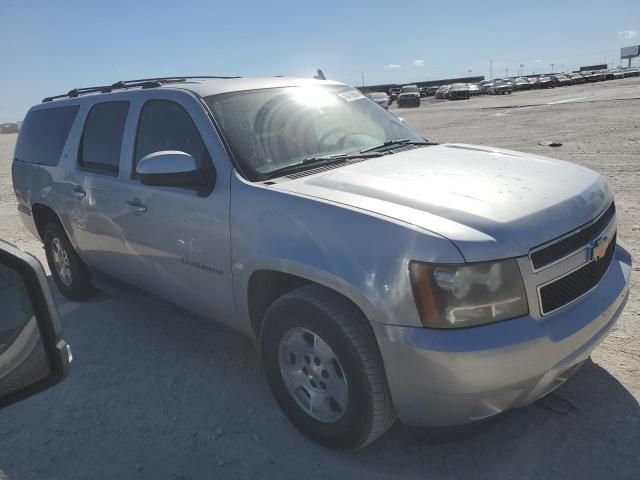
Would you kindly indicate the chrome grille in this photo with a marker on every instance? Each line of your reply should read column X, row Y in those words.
column 552, row 252
column 569, row 288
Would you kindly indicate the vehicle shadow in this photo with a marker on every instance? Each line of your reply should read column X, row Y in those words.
column 156, row 393
column 589, row 428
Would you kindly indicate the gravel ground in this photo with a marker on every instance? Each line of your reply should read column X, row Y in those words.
column 154, row 393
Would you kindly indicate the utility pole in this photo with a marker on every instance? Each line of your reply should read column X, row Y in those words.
column 363, row 80
column 490, row 69
column 506, row 72
column 521, row 69
column 552, row 67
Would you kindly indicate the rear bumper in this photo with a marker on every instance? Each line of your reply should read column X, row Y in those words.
column 449, row 377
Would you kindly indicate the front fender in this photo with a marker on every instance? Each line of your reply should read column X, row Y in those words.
column 362, row 255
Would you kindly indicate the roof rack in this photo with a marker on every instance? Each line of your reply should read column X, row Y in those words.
column 124, row 84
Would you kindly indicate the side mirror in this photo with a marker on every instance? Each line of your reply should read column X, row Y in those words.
column 33, row 356
column 171, row 168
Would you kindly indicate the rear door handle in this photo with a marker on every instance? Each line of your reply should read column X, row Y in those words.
column 136, row 206
column 79, row 192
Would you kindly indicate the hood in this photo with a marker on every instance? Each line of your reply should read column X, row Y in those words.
column 409, row 94
column 491, row 203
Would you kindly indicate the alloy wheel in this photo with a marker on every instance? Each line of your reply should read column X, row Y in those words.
column 313, row 374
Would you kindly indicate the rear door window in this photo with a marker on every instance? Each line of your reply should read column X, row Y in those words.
column 43, row 135
column 102, row 138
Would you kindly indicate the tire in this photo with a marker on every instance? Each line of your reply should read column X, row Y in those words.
column 316, row 314
column 67, row 269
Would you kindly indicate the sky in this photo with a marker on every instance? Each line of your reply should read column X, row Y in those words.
column 51, row 46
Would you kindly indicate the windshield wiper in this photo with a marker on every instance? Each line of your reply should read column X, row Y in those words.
column 396, row 142
column 319, row 161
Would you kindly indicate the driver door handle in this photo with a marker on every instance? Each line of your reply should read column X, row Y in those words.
column 136, row 206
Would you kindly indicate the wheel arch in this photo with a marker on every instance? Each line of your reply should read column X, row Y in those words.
column 42, row 216
column 266, row 285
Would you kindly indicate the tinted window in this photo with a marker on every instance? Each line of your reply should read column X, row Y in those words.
column 165, row 125
column 102, row 137
column 43, row 135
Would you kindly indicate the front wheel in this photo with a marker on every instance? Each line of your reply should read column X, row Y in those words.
column 324, row 368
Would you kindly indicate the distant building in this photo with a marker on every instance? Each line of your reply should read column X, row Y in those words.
column 588, row 68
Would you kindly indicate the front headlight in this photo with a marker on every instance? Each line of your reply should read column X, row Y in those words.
column 465, row 295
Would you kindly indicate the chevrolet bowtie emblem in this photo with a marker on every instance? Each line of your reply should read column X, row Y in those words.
column 599, row 248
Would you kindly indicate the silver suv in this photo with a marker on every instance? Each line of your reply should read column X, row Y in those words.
column 380, row 274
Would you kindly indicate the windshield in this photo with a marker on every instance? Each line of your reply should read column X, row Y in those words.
column 271, row 128
column 409, row 89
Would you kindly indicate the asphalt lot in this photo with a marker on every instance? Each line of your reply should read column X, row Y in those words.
column 154, row 394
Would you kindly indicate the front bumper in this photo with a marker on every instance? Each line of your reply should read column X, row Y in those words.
column 415, row 101
column 449, row 377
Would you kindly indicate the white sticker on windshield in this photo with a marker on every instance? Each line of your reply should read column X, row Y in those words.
column 351, row 95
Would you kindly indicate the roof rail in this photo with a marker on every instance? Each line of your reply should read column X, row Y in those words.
column 124, row 84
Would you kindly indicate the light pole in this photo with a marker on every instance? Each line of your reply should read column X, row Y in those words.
column 506, row 72
column 552, row 67
column 469, row 73
column 521, row 69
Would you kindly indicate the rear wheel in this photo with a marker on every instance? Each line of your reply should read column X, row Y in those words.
column 324, row 368
column 67, row 269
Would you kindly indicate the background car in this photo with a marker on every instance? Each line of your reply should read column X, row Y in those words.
column 380, row 98
column 576, row 78
column 562, row 80
column 500, row 87
column 485, row 86
column 409, row 96
column 618, row 74
column 521, row 83
column 459, row 91
column 431, row 91
column 442, row 91
column 545, row 81
column 534, row 82
column 474, row 89
column 393, row 94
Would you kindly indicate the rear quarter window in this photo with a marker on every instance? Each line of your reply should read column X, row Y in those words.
column 43, row 135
